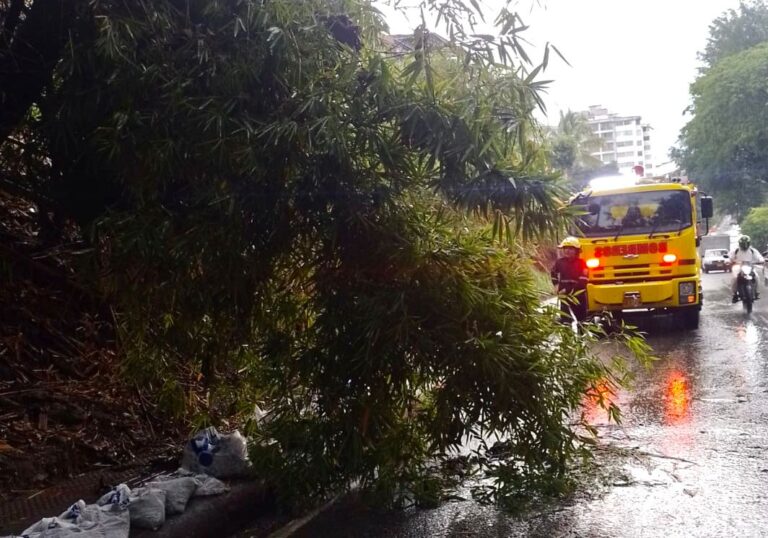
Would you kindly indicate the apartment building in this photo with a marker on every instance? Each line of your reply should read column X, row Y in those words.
column 624, row 140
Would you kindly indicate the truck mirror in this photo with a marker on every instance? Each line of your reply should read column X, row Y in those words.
column 706, row 207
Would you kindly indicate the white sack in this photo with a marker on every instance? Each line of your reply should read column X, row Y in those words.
column 177, row 493
column 147, row 508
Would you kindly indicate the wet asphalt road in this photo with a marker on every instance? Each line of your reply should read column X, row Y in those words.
column 695, row 424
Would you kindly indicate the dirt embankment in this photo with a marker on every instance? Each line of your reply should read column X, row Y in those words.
column 64, row 407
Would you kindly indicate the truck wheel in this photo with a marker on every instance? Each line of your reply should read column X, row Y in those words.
column 690, row 319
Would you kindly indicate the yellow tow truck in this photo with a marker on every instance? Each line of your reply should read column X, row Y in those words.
column 639, row 240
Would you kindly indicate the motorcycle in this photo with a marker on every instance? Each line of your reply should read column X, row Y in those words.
column 746, row 282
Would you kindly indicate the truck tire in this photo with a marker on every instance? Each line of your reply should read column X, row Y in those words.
column 690, row 319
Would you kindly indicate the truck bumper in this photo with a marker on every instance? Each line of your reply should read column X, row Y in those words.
column 674, row 293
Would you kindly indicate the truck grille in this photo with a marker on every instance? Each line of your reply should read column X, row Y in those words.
column 630, row 273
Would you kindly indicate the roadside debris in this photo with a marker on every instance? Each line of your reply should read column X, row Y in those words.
column 148, row 506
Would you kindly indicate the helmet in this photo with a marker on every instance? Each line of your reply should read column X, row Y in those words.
column 744, row 241
column 572, row 242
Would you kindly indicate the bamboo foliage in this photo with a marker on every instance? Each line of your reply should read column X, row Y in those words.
column 287, row 214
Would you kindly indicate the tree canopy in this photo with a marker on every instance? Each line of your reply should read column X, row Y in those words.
column 724, row 144
column 736, row 30
column 285, row 212
column 572, row 144
column 756, row 226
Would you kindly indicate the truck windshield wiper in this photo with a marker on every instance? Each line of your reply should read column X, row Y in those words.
column 656, row 226
column 621, row 229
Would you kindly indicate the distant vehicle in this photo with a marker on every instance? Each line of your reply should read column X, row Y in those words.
column 716, row 259
column 714, row 241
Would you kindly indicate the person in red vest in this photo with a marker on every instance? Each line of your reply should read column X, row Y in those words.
column 569, row 275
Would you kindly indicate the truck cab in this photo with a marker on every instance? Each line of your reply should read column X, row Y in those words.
column 640, row 246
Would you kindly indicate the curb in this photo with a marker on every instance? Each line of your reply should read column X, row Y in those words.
column 293, row 526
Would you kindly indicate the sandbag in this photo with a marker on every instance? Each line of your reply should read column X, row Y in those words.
column 147, row 508
column 178, row 491
column 208, row 485
column 119, row 496
column 56, row 527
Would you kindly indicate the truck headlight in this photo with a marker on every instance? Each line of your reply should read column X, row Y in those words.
column 687, row 292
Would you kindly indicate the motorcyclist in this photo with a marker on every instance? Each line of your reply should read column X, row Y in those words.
column 569, row 275
column 745, row 253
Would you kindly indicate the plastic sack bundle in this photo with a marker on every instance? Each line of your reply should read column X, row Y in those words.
column 215, row 454
column 110, row 520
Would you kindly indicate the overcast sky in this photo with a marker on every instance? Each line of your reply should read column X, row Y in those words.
column 636, row 57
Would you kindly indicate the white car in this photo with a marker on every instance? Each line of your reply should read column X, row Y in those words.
column 716, row 259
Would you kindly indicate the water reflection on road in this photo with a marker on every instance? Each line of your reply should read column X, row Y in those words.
column 698, row 418
column 677, row 398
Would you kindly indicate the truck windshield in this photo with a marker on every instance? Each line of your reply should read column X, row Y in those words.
column 634, row 213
